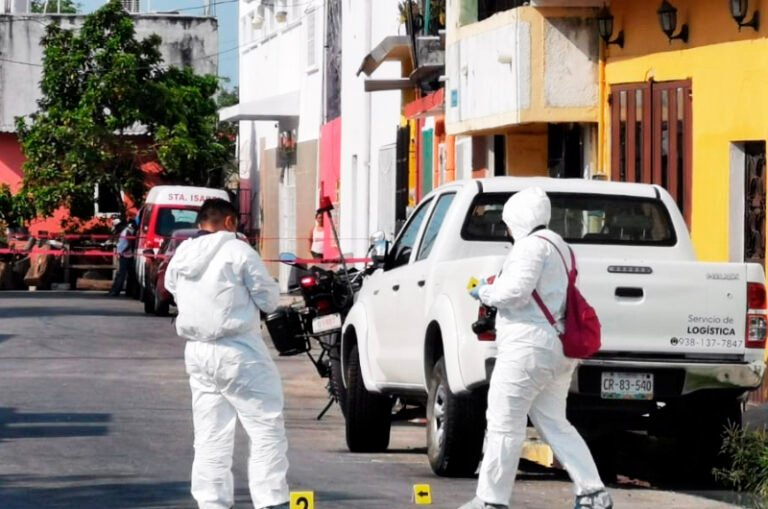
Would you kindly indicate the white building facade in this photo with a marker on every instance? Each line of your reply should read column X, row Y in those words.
column 280, row 112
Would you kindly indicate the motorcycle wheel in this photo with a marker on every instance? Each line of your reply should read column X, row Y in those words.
column 336, row 376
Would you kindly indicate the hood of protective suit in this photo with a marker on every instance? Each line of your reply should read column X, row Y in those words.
column 194, row 255
column 526, row 211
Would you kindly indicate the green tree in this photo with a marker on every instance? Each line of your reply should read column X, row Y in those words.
column 108, row 105
column 53, row 6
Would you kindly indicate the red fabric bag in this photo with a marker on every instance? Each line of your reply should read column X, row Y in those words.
column 581, row 337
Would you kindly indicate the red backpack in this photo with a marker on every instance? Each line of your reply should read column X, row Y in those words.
column 581, row 337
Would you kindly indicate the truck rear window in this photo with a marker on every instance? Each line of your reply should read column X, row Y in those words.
column 581, row 219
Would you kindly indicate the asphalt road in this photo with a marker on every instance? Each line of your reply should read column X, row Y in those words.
column 95, row 413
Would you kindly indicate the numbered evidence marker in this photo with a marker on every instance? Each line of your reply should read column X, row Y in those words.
column 303, row 500
column 473, row 282
column 422, row 494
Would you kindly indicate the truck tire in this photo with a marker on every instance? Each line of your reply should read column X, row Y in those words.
column 455, row 427
column 336, row 378
column 369, row 415
column 701, row 438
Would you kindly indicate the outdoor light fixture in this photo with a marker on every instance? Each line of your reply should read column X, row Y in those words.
column 605, row 28
column 739, row 12
column 668, row 21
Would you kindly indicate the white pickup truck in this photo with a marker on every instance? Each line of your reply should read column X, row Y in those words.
column 683, row 341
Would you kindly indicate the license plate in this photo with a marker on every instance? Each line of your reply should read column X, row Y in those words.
column 326, row 323
column 635, row 386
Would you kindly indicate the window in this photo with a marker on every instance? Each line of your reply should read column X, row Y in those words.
column 478, row 10
column 581, row 219
column 435, row 222
column 401, row 251
column 146, row 217
column 651, row 138
column 169, row 220
column 311, row 29
column 754, row 203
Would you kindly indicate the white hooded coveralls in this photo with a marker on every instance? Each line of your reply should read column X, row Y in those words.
column 220, row 285
column 531, row 376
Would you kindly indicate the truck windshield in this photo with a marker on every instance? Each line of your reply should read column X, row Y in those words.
column 581, row 219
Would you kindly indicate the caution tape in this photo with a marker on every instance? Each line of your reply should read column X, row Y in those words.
column 102, row 254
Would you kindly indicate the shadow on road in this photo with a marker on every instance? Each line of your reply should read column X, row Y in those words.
column 15, row 425
column 31, row 492
column 50, row 311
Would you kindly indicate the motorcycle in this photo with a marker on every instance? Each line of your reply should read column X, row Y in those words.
column 327, row 296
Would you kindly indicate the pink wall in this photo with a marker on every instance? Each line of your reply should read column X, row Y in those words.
column 330, row 175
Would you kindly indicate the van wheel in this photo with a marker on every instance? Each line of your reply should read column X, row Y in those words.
column 162, row 308
column 455, row 427
column 369, row 415
column 148, row 298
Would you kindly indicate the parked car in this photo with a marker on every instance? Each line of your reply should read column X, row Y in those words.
column 683, row 341
column 167, row 209
column 157, row 300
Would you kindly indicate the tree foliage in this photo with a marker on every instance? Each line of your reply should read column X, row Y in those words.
column 108, row 105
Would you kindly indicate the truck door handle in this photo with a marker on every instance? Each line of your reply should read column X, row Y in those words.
column 421, row 283
column 395, row 288
column 626, row 292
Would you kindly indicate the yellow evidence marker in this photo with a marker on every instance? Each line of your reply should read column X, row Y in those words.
column 473, row 282
column 422, row 494
column 302, row 500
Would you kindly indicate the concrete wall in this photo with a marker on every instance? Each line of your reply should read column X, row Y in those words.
column 370, row 119
column 521, row 66
column 187, row 40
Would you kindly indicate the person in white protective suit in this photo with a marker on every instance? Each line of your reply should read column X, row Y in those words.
column 221, row 285
column 531, row 376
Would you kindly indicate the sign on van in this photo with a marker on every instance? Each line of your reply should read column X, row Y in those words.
column 194, row 198
column 183, row 195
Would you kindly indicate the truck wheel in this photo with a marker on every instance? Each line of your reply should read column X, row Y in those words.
column 336, row 379
column 369, row 415
column 455, row 427
column 702, row 439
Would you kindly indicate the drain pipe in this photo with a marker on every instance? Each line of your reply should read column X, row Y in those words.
column 365, row 216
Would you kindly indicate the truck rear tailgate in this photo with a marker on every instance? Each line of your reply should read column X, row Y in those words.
column 668, row 309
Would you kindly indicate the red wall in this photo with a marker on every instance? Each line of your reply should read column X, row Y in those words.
column 11, row 161
column 330, row 176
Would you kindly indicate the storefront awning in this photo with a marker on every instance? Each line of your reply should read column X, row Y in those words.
column 394, row 47
column 428, row 106
column 278, row 107
column 384, row 85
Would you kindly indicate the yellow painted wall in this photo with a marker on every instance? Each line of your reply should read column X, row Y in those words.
column 729, row 72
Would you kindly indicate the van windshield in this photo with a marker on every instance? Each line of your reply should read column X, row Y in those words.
column 171, row 219
column 581, row 219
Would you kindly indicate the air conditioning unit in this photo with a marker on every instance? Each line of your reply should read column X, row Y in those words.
column 132, row 6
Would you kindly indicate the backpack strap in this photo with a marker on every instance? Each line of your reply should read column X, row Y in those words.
column 537, row 298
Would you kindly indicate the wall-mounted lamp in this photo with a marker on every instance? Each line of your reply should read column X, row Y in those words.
column 668, row 21
column 605, row 28
column 739, row 10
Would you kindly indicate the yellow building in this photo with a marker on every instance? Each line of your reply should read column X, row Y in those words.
column 690, row 113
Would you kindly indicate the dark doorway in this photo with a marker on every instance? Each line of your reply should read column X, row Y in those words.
column 566, row 150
